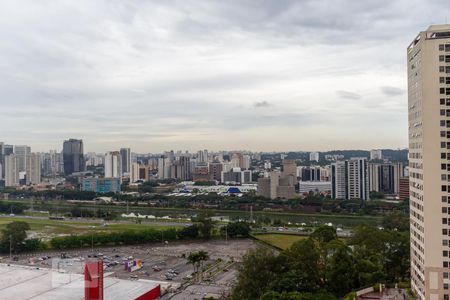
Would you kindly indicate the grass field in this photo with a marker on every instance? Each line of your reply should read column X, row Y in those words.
column 339, row 220
column 46, row 228
column 282, row 241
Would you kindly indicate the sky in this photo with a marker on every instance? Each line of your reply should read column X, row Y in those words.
column 262, row 75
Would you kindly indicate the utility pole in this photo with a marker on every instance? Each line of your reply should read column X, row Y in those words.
column 226, row 235
column 10, row 247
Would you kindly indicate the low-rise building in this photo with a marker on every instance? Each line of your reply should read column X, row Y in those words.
column 101, row 185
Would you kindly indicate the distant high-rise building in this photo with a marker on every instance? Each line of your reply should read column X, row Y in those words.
column 73, row 156
column 314, row 156
column 201, row 172
column 164, row 166
column 376, row 154
column 339, row 180
column 113, row 164
column 276, row 185
column 202, row 156
column 358, row 178
column 125, row 154
column 385, row 178
column 8, row 149
column 33, row 171
column 11, row 171
column 215, row 170
column 22, row 152
column 237, row 176
column 349, row 179
column 403, row 188
column 2, row 160
column 312, row 173
column 429, row 166
column 181, row 168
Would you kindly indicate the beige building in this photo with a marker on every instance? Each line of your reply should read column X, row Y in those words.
column 279, row 184
column 33, row 167
column 429, row 161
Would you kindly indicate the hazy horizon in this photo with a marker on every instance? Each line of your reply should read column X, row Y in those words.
column 258, row 75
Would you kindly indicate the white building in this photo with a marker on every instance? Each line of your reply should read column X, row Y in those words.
column 314, row 186
column 339, row 180
column 314, row 156
column 22, row 152
column 376, row 154
column 33, row 171
column 11, row 171
column 113, row 164
column 134, row 174
column 349, row 179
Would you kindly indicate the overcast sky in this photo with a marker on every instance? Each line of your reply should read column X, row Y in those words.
column 160, row 75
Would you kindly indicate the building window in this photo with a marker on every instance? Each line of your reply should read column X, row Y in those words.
column 446, row 275
column 444, row 231
column 441, row 57
column 445, row 253
column 446, row 284
column 444, row 198
column 444, row 221
column 445, row 265
column 444, row 210
column 442, row 101
column 442, row 91
column 441, row 69
column 442, row 112
column 441, row 47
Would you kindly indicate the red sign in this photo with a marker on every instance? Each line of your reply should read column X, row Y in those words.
column 93, row 280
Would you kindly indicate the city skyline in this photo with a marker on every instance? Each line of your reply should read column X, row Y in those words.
column 193, row 74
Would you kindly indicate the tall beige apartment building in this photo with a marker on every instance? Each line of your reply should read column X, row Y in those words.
column 429, row 161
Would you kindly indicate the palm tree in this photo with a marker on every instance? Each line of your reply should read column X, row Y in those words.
column 197, row 258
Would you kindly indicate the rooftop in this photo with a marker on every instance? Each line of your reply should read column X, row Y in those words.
column 20, row 282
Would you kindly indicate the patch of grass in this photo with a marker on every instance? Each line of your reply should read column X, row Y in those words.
column 281, row 241
column 55, row 227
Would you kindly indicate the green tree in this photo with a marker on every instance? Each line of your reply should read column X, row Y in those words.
column 259, row 268
column 205, row 225
column 14, row 233
column 304, row 258
column 324, row 234
column 340, row 269
column 235, row 229
column 396, row 221
column 189, row 232
column 196, row 259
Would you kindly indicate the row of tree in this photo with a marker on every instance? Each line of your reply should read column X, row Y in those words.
column 323, row 266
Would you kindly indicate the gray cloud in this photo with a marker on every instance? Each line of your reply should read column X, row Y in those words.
column 392, row 91
column 348, row 95
column 261, row 104
column 186, row 73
